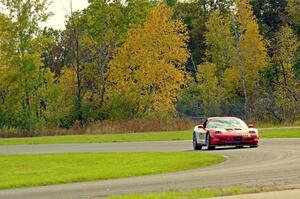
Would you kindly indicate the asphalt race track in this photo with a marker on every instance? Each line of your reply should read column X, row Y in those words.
column 275, row 163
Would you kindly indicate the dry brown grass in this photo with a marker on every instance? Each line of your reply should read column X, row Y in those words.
column 105, row 127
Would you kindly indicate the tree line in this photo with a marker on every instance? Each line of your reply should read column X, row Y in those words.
column 143, row 59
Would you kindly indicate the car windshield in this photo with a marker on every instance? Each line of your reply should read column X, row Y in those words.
column 228, row 123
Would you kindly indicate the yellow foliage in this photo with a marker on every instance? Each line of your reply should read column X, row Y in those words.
column 4, row 36
column 68, row 80
column 288, row 44
column 231, row 81
column 213, row 94
column 254, row 53
column 244, row 14
column 252, row 49
column 151, row 62
column 287, row 92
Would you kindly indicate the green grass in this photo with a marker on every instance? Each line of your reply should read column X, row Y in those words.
column 280, row 133
column 33, row 170
column 195, row 194
column 136, row 137
column 201, row 193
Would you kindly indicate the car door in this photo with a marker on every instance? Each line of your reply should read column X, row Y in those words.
column 202, row 135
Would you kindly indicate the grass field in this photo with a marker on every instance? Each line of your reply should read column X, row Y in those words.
column 33, row 170
column 136, row 137
column 195, row 194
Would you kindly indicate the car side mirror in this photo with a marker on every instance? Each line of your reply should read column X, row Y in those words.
column 250, row 125
column 201, row 126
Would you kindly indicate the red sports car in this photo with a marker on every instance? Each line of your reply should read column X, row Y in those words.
column 221, row 131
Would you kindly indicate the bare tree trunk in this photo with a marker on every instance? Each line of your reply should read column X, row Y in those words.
column 77, row 66
column 195, row 70
column 78, row 76
column 242, row 66
column 102, row 66
column 102, row 86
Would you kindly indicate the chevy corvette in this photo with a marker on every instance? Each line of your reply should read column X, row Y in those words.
column 223, row 131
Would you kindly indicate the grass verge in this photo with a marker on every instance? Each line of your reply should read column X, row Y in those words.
column 34, row 170
column 136, row 137
column 195, row 194
column 126, row 137
column 280, row 133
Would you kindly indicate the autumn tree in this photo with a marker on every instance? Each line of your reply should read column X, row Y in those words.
column 287, row 93
column 5, row 34
column 251, row 52
column 88, row 42
column 73, row 37
column 212, row 94
column 105, row 26
column 195, row 14
column 4, row 68
column 149, row 67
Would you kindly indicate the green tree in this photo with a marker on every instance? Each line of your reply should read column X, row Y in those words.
column 28, row 82
column 220, row 42
column 205, row 97
column 293, row 9
column 193, row 16
column 271, row 15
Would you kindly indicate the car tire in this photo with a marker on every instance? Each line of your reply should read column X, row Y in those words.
column 196, row 146
column 253, row 146
column 209, row 147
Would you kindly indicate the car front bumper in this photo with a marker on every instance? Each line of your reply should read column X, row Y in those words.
column 234, row 141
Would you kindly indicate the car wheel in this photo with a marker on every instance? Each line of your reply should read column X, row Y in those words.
column 196, row 146
column 253, row 146
column 209, row 147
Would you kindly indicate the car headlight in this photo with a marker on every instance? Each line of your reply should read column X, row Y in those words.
column 252, row 132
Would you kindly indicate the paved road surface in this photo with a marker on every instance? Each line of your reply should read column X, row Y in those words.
column 275, row 162
column 288, row 194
